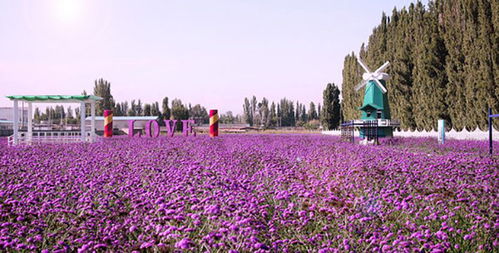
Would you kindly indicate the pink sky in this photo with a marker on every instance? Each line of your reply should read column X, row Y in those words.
column 210, row 52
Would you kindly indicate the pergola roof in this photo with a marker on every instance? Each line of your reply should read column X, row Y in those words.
column 55, row 98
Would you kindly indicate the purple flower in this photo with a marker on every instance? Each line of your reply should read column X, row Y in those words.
column 185, row 243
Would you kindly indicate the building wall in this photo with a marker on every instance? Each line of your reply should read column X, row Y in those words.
column 7, row 113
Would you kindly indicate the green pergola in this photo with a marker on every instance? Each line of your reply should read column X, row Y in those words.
column 30, row 99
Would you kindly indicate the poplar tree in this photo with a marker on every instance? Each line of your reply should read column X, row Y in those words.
column 331, row 107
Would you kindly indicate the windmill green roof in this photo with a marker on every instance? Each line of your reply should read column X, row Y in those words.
column 373, row 106
column 55, row 98
column 373, row 97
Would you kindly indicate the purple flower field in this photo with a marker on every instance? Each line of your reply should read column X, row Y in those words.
column 241, row 193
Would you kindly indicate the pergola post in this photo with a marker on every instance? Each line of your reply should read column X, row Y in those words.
column 16, row 122
column 92, row 110
column 82, row 120
column 30, row 122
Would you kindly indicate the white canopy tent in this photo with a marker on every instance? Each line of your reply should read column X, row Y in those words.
column 18, row 138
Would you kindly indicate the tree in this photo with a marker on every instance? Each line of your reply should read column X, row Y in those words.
column 132, row 111
column 227, row 118
column 331, row 109
column 447, row 50
column 254, row 104
column 166, row 109
column 264, row 112
column 179, row 112
column 298, row 121
column 287, row 113
column 147, row 110
column 199, row 114
column 279, row 115
column 118, row 111
column 319, row 110
column 36, row 115
column 273, row 115
column 248, row 116
column 102, row 88
column 139, row 111
column 155, row 110
column 312, row 113
column 303, row 114
column 429, row 71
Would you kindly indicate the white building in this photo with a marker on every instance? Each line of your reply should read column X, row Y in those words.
column 121, row 122
column 7, row 117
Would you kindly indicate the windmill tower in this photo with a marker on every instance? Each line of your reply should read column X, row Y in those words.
column 375, row 108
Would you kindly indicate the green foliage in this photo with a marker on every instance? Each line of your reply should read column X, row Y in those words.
column 248, row 114
column 312, row 113
column 443, row 64
column 166, row 109
column 147, row 110
column 102, row 88
column 287, row 113
column 312, row 125
column 179, row 112
column 330, row 116
column 227, row 118
column 199, row 114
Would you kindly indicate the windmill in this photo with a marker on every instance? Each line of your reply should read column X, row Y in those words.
column 375, row 116
column 373, row 76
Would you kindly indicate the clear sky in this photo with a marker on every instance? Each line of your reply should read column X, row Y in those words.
column 210, row 52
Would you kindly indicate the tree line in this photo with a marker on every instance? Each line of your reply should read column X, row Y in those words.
column 284, row 113
column 444, row 64
column 287, row 113
column 102, row 88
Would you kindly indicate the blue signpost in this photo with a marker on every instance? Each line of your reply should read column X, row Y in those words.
column 490, row 128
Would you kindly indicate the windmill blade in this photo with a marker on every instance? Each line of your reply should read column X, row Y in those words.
column 380, row 85
column 383, row 67
column 360, row 85
column 364, row 66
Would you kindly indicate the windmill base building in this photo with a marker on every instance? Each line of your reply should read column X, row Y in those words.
column 375, row 121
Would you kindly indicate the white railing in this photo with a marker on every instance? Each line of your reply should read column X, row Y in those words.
column 39, row 137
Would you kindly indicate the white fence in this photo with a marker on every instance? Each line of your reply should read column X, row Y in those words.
column 452, row 134
column 39, row 137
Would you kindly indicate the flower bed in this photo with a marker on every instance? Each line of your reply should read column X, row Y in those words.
column 244, row 193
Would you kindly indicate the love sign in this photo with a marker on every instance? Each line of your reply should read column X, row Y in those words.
column 153, row 130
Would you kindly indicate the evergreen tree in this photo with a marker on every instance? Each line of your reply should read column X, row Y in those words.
column 298, row 121
column 287, row 113
column 132, row 111
column 331, row 109
column 254, row 104
column 351, row 99
column 265, row 112
column 303, row 114
column 199, row 114
column 179, row 112
column 117, row 110
column 36, row 115
column 139, row 111
column 147, row 110
column 248, row 116
column 273, row 115
column 279, row 115
column 155, row 110
column 102, row 88
column 319, row 109
column 166, row 109
column 312, row 113
column 429, row 71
